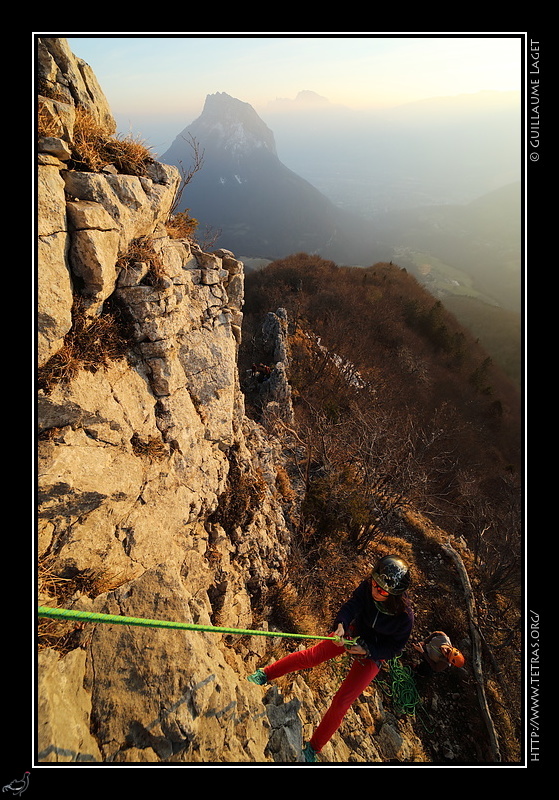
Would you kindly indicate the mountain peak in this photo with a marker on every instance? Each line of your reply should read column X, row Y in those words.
column 259, row 204
column 232, row 125
column 310, row 97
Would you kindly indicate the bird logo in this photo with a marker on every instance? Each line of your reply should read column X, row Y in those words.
column 17, row 787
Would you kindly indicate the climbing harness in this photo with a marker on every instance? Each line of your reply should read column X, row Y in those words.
column 90, row 616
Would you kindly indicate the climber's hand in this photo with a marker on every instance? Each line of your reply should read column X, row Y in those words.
column 340, row 633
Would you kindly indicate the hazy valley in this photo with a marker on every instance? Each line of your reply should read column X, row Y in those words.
column 432, row 186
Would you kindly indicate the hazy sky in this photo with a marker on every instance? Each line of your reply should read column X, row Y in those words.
column 156, row 84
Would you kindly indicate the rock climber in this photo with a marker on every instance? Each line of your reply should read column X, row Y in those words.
column 438, row 654
column 379, row 618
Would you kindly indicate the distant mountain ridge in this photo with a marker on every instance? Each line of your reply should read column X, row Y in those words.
column 427, row 152
column 232, row 125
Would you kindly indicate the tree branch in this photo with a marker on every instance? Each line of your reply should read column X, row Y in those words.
column 476, row 648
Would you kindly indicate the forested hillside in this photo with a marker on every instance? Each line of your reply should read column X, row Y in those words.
column 407, row 434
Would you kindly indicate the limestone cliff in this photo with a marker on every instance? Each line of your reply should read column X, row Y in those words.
column 156, row 494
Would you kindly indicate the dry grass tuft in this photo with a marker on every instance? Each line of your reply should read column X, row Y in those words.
column 59, row 635
column 295, row 610
column 283, row 484
column 142, row 251
column 242, row 497
column 95, row 148
column 181, row 225
column 47, row 125
column 51, row 585
column 90, row 344
column 55, row 591
column 154, row 448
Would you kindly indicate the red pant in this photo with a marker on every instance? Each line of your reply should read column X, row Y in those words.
column 362, row 672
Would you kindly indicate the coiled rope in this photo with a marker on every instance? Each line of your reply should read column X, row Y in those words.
column 116, row 619
column 402, row 689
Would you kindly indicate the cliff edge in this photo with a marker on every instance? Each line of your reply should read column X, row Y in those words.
column 137, row 450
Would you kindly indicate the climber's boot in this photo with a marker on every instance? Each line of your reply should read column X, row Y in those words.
column 258, row 677
column 309, row 754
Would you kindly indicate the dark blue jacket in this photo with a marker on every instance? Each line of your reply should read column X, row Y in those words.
column 382, row 635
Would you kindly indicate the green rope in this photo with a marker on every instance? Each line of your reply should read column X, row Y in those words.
column 90, row 616
column 403, row 690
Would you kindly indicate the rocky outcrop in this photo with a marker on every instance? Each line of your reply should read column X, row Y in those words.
column 133, row 460
column 156, row 494
column 271, row 392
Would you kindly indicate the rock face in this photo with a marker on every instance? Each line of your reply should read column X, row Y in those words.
column 156, row 494
column 139, row 526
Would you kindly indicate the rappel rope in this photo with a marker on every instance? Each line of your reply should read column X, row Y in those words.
column 116, row 619
column 402, row 688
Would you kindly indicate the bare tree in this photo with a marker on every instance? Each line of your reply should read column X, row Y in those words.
column 188, row 174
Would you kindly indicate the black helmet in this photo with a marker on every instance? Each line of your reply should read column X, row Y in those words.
column 393, row 574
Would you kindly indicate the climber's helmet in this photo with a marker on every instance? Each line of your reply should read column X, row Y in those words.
column 455, row 657
column 392, row 574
